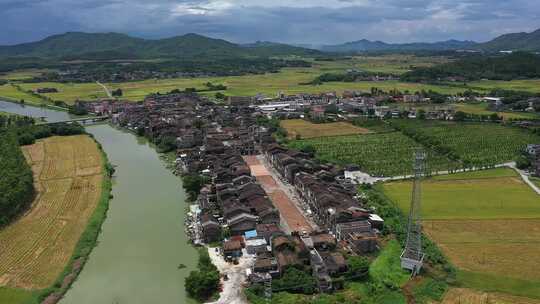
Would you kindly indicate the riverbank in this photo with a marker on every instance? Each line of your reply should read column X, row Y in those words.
column 89, row 238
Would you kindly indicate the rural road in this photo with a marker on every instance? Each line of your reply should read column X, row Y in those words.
column 105, row 89
column 232, row 292
column 524, row 177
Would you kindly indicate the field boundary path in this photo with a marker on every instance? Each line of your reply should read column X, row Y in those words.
column 105, row 89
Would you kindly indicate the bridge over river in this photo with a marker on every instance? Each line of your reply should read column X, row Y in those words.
column 83, row 120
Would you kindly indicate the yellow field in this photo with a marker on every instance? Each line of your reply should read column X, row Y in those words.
column 490, row 246
column 68, row 174
column 307, row 129
column 469, row 296
column 488, row 225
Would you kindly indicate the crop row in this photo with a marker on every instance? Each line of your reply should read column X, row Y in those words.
column 384, row 154
column 474, row 144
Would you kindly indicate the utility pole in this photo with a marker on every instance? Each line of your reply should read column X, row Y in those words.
column 412, row 257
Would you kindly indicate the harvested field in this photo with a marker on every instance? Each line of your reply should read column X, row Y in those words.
column 469, row 296
column 288, row 211
column 306, row 129
column 68, row 174
column 490, row 246
column 488, row 224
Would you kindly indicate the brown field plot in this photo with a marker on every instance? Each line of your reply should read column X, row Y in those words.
column 306, row 129
column 508, row 248
column 68, row 176
column 469, row 296
column 487, row 223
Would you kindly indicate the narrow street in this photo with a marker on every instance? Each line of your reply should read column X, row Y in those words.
column 282, row 195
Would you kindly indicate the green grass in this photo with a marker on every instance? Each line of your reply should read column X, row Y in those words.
column 386, row 268
column 535, row 180
column 481, row 198
column 496, row 283
column 11, row 93
column 529, row 85
column 17, row 296
column 491, row 173
column 23, row 74
column 382, row 154
column 429, row 289
column 481, row 109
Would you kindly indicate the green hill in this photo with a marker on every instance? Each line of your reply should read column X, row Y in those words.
column 77, row 45
column 515, row 41
column 518, row 65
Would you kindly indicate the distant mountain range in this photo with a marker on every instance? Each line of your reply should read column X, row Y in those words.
column 77, row 45
column 367, row 45
column 514, row 42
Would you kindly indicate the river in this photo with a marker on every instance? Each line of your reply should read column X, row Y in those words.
column 142, row 242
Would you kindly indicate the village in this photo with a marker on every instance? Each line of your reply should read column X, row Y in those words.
column 265, row 208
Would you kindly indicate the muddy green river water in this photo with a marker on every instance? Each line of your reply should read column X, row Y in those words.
column 142, row 242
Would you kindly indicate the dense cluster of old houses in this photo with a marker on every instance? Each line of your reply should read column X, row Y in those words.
column 233, row 209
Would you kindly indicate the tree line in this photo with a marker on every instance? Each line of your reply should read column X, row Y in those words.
column 519, row 65
column 16, row 181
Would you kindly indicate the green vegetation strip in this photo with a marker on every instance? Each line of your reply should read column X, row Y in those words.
column 89, row 238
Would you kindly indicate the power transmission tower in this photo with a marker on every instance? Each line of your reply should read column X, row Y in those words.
column 412, row 257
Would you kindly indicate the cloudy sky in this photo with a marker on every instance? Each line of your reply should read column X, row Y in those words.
column 289, row 21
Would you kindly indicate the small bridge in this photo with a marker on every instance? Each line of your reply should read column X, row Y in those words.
column 84, row 120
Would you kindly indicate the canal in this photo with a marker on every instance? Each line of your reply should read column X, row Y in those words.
column 142, row 242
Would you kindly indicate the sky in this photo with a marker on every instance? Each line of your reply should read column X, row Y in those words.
column 287, row 21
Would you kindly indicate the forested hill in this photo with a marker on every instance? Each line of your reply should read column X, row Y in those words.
column 514, row 66
column 77, row 45
column 515, row 41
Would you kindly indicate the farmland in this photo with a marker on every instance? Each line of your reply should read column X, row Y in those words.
column 37, row 247
column 469, row 296
column 10, row 92
column 481, row 220
column 299, row 128
column 383, row 154
column 471, row 197
column 481, row 109
column 475, row 144
column 288, row 80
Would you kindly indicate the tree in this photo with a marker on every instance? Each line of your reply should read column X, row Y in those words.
column 296, row 281
column 309, row 149
column 117, row 93
column 460, row 116
column 523, row 162
column 193, row 184
column 358, row 267
column 421, row 114
column 203, row 283
column 494, row 117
